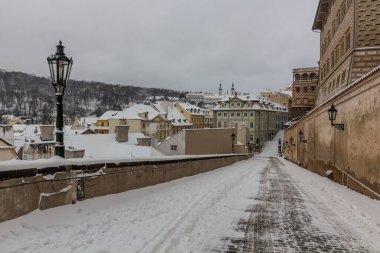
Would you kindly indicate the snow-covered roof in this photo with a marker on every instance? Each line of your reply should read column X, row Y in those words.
column 176, row 117
column 26, row 130
column 137, row 111
column 279, row 107
column 108, row 114
column 172, row 114
column 244, row 98
column 286, row 92
column 105, row 145
column 193, row 109
column 90, row 120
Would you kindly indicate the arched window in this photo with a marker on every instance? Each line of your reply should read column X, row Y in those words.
column 297, row 77
column 305, row 77
column 313, row 76
column 343, row 76
column 348, row 39
column 338, row 81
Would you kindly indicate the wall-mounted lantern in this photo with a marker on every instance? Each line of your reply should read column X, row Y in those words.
column 291, row 141
column 332, row 116
column 302, row 136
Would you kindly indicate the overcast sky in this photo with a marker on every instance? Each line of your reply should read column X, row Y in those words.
column 176, row 44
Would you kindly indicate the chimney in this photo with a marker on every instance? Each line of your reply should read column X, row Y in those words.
column 74, row 153
column 122, row 133
column 47, row 132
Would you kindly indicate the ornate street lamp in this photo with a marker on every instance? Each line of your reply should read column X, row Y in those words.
column 233, row 141
column 60, row 68
column 332, row 116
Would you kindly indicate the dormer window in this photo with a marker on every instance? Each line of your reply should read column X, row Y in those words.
column 238, row 104
column 232, row 104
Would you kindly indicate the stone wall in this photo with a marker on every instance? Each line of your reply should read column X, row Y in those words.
column 27, row 190
column 353, row 154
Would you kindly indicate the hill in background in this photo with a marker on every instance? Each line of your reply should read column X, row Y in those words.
column 31, row 96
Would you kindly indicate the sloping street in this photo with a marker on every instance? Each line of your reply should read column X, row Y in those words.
column 265, row 204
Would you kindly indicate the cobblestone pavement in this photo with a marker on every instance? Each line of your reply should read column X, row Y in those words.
column 284, row 219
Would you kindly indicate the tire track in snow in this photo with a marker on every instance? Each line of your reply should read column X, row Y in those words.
column 164, row 242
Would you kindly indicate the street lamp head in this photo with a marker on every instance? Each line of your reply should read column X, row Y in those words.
column 332, row 113
column 60, row 68
column 233, row 136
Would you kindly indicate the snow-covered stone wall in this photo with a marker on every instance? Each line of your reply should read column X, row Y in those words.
column 25, row 190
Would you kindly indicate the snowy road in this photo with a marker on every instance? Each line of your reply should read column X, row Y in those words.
column 260, row 205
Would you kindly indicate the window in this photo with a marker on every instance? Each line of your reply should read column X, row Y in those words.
column 245, row 114
column 232, row 114
column 238, row 114
column 232, row 104
column 252, row 114
column 328, row 37
column 238, row 104
column 334, row 27
column 304, row 89
column 343, row 76
column 332, row 60
column 337, row 56
column 219, row 124
column 328, row 65
column 298, row 89
column 219, row 114
column 173, row 147
column 348, row 40
column 251, row 124
column 225, row 114
column 313, row 88
column 342, row 47
column 251, row 137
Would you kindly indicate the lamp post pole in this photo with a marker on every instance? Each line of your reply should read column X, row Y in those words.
column 233, row 141
column 60, row 69
column 59, row 146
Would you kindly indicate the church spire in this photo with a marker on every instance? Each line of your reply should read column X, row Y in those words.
column 233, row 93
column 220, row 88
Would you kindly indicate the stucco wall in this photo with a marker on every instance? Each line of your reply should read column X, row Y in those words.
column 354, row 152
column 209, row 141
column 7, row 154
column 22, row 195
column 135, row 125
